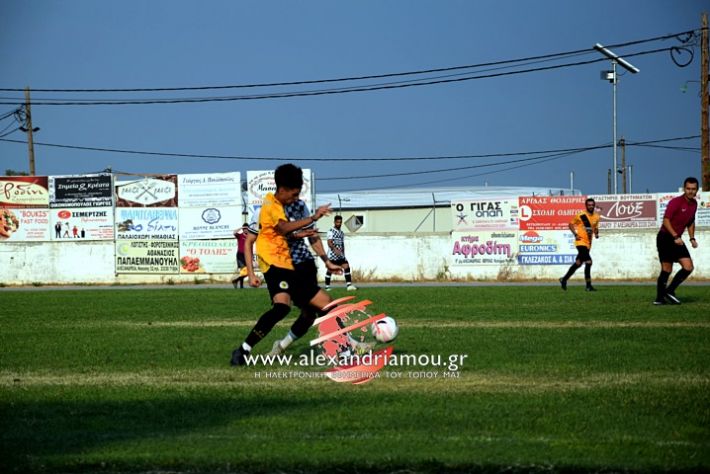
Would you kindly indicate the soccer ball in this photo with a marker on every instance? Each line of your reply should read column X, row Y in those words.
column 385, row 330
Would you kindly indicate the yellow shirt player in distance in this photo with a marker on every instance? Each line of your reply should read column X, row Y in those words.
column 585, row 227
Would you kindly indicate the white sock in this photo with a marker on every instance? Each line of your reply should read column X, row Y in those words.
column 246, row 347
column 286, row 341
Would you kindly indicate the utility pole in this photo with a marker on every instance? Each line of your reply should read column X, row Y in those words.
column 608, row 179
column 704, row 142
column 30, row 142
column 622, row 144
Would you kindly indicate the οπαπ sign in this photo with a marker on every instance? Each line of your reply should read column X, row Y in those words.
column 489, row 214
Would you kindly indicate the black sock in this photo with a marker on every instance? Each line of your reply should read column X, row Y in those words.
column 588, row 274
column 303, row 322
column 266, row 323
column 348, row 277
column 679, row 278
column 661, row 285
column 573, row 268
column 327, row 279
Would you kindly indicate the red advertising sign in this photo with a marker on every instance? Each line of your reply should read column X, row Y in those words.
column 24, row 191
column 548, row 212
column 627, row 211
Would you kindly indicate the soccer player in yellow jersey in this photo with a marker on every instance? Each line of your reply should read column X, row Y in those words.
column 283, row 282
column 584, row 226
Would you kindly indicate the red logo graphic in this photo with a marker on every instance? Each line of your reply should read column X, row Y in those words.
column 338, row 341
column 531, row 237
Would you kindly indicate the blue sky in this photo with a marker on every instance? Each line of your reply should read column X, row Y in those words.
column 138, row 44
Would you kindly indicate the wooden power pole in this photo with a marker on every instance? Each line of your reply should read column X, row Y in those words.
column 704, row 143
column 30, row 142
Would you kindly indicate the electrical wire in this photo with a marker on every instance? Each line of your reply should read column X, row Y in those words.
column 459, row 178
column 281, row 95
column 689, row 33
column 285, row 159
column 344, row 158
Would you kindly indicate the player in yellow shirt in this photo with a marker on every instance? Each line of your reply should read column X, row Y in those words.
column 283, row 282
column 584, row 226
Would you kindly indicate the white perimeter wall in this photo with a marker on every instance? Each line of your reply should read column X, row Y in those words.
column 618, row 255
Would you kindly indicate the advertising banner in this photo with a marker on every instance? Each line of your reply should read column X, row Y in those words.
column 155, row 223
column 490, row 214
column 94, row 190
column 24, row 225
column 627, row 211
column 208, row 256
column 24, row 191
column 209, row 222
column 259, row 183
column 90, row 223
column 203, row 190
column 158, row 191
column 548, row 212
column 144, row 256
column 702, row 216
column 546, row 247
column 483, row 247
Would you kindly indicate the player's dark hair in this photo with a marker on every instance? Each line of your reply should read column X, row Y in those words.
column 690, row 180
column 338, row 218
column 589, row 200
column 288, row 176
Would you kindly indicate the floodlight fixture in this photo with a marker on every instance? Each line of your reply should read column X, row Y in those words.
column 612, row 77
column 615, row 57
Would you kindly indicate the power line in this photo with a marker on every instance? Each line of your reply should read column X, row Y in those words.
column 461, row 168
column 362, row 77
column 285, row 159
column 335, row 158
column 281, row 95
column 675, row 148
column 459, row 178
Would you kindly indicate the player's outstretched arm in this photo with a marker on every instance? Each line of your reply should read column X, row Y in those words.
column 249, row 257
column 317, row 245
column 285, row 227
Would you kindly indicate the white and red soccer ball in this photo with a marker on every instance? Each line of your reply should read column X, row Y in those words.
column 385, row 330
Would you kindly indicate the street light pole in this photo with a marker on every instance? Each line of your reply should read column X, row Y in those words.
column 613, row 81
column 611, row 77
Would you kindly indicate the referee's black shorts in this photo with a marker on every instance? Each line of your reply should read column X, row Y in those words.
column 583, row 253
column 668, row 250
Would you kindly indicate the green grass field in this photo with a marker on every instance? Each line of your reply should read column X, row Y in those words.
column 139, row 380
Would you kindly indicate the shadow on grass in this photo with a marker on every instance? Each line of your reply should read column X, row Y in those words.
column 33, row 433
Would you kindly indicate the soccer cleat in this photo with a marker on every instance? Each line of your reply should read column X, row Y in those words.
column 238, row 357
column 277, row 349
column 352, row 288
column 327, row 287
column 563, row 284
column 590, row 288
column 671, row 297
column 659, row 302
